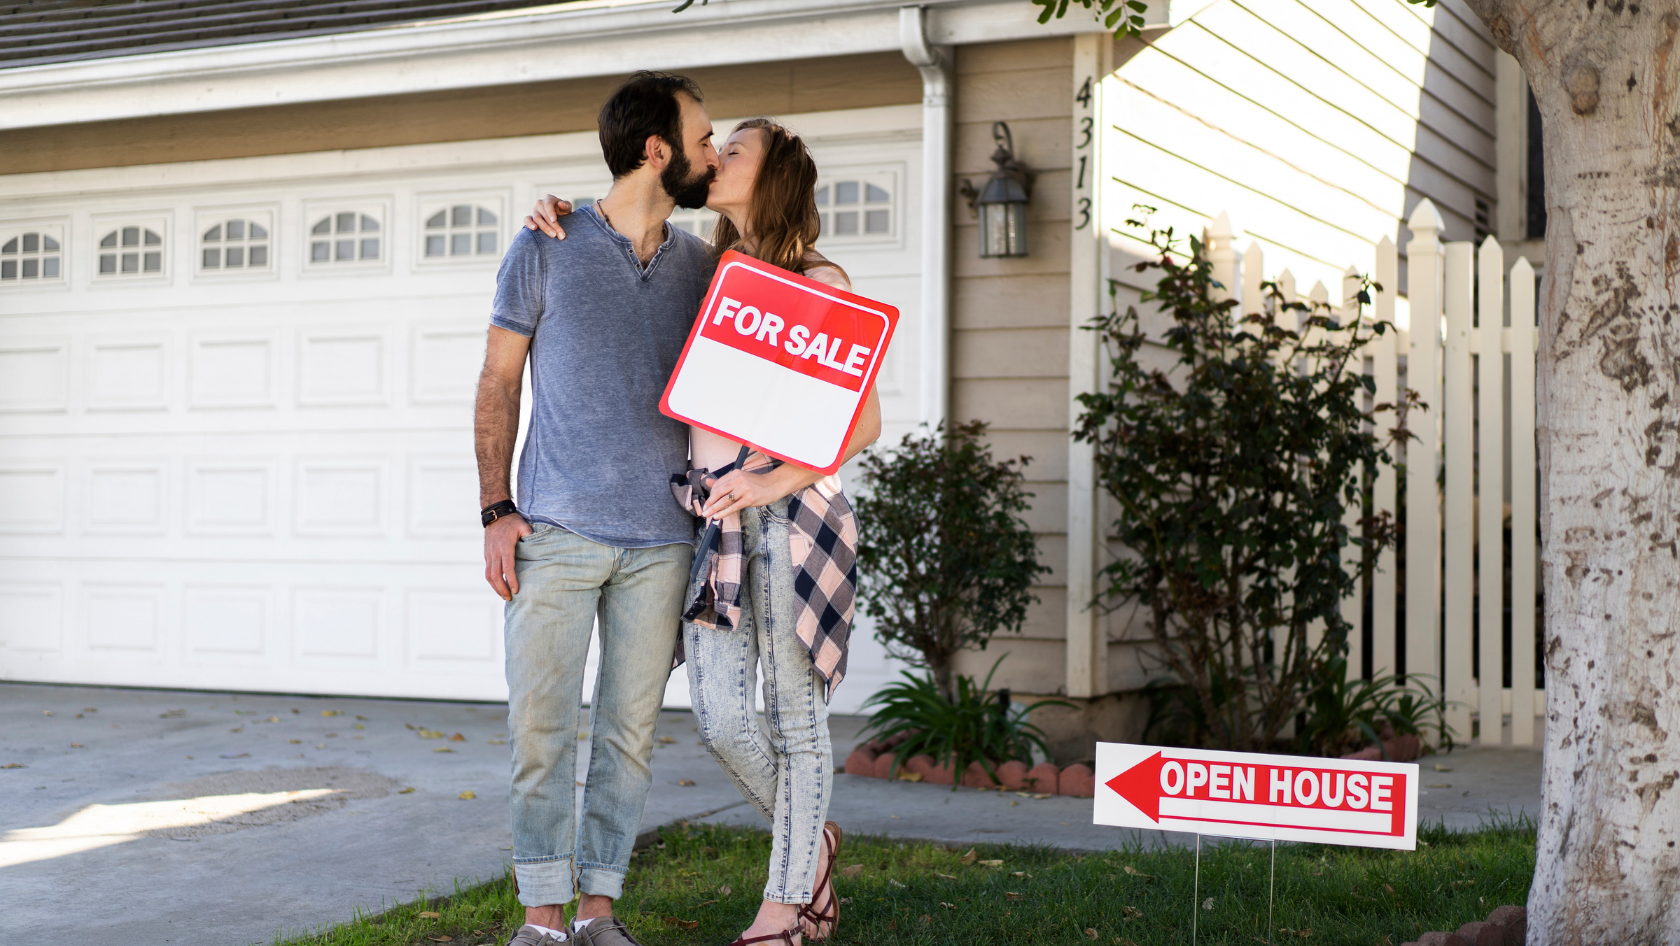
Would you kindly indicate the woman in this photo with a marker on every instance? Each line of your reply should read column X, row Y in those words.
column 751, row 604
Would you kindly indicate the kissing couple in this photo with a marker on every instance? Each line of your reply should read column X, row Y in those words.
column 613, row 502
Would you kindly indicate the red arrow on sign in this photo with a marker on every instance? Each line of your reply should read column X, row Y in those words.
column 1141, row 785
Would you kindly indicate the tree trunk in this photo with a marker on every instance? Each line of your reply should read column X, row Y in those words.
column 1605, row 75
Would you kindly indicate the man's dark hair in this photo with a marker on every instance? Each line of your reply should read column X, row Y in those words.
column 646, row 104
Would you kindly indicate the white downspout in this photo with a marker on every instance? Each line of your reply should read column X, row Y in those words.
column 934, row 62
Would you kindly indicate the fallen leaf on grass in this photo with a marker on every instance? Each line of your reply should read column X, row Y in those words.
column 455, row 738
column 706, row 903
column 926, row 918
column 1131, row 913
column 948, row 906
column 684, row 924
column 724, row 891
column 970, row 857
column 1135, row 872
column 441, row 939
column 895, row 883
column 1020, row 873
column 851, row 871
column 946, row 876
column 406, row 791
column 996, row 863
column 429, row 915
column 1011, row 895
column 1207, row 904
column 1387, row 888
column 466, row 796
column 1092, row 933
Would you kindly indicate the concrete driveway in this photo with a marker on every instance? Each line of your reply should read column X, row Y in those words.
column 145, row 817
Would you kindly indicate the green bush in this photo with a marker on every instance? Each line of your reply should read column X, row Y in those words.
column 1230, row 472
column 944, row 559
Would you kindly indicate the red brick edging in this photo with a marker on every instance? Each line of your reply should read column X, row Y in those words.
column 875, row 759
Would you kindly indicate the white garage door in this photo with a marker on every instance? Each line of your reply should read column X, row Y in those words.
column 236, row 397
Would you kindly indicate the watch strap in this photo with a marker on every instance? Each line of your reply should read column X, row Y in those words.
column 496, row 511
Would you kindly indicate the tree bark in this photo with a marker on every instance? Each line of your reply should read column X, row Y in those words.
column 1606, row 75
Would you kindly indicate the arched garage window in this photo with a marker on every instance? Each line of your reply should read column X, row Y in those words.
column 347, row 236
column 134, row 250
column 857, row 208
column 30, row 256
column 462, row 230
column 235, row 244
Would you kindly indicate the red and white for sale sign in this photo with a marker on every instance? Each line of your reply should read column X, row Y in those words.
column 780, row 362
column 1265, row 797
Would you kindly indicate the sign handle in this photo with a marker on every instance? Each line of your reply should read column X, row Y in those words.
column 712, row 525
column 1271, row 894
column 1196, row 891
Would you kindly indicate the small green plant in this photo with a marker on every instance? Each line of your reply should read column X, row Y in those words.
column 1344, row 715
column 978, row 726
column 945, row 559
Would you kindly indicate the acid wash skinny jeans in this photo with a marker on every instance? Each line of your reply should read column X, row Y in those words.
column 787, row 772
column 565, row 581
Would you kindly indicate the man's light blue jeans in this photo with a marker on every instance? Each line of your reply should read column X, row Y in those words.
column 565, row 580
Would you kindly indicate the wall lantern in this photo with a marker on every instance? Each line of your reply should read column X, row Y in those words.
column 1002, row 204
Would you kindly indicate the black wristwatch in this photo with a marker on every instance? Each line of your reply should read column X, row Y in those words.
column 496, row 511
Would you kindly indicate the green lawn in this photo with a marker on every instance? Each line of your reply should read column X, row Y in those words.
column 701, row 885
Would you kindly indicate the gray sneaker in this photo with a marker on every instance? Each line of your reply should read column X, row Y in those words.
column 603, row 931
column 531, row 936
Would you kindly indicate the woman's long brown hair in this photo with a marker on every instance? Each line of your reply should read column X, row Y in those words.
column 782, row 212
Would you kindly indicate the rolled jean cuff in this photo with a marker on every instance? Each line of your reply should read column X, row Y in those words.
column 601, row 880
column 546, row 882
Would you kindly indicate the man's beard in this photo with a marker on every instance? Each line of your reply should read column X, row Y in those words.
column 689, row 193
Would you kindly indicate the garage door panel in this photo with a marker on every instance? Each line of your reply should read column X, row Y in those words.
column 34, row 375
column 128, row 375
column 233, row 371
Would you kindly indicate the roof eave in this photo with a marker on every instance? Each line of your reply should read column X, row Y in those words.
column 565, row 41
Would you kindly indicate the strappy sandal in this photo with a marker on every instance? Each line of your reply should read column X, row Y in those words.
column 831, row 915
column 785, row 936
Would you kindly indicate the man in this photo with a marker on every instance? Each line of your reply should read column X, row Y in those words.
column 603, row 316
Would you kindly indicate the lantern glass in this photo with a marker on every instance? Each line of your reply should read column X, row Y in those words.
column 1003, row 229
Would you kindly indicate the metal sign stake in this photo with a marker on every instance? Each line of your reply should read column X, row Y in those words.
column 1196, row 891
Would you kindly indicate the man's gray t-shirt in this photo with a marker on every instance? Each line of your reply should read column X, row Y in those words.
column 605, row 334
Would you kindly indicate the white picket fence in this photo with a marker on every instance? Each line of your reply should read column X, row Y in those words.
column 1474, row 424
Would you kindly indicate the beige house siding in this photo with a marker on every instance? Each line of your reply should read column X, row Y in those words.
column 1317, row 126
column 1009, row 344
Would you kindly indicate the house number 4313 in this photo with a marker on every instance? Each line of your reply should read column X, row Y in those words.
column 1084, row 134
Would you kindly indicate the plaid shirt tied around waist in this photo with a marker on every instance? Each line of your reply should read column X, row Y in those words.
column 823, row 542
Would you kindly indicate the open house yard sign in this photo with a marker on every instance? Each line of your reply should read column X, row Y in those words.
column 1264, row 797
column 780, row 362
